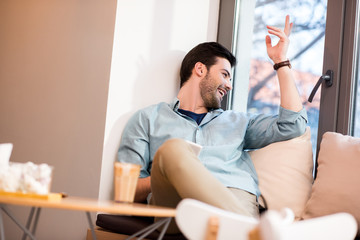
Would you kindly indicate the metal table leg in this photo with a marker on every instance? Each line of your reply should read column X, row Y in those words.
column 2, row 229
column 30, row 219
column 149, row 229
column 91, row 225
column 28, row 224
column 37, row 215
column 5, row 210
column 163, row 231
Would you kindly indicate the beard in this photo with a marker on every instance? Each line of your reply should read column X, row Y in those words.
column 208, row 93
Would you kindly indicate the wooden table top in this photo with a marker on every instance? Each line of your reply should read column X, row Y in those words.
column 89, row 205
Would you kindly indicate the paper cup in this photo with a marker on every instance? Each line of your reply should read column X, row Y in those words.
column 125, row 180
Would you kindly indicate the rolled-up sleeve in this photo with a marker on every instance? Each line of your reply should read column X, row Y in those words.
column 134, row 146
column 264, row 129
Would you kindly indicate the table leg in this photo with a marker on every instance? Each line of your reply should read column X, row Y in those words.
column 146, row 231
column 2, row 229
column 37, row 215
column 31, row 214
column 91, row 225
column 30, row 219
column 5, row 210
column 163, row 231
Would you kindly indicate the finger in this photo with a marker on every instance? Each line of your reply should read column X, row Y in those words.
column 287, row 30
column 268, row 41
column 279, row 34
column 287, row 20
column 274, row 28
column 288, row 25
column 291, row 26
column 276, row 31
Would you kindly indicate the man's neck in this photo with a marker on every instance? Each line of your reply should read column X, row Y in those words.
column 190, row 99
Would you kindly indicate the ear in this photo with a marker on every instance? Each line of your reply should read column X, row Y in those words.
column 200, row 69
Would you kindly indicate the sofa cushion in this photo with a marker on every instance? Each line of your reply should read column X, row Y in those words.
column 337, row 185
column 285, row 173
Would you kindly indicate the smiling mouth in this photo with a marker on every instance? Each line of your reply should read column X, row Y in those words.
column 222, row 92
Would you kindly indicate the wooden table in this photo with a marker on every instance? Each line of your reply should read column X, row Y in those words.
column 77, row 204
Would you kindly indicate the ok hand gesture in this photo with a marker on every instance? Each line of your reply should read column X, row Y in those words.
column 278, row 52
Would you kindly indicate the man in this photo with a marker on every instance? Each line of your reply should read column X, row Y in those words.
column 223, row 174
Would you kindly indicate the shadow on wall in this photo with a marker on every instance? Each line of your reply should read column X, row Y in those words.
column 149, row 83
column 157, row 73
column 157, row 80
column 111, row 147
column 154, row 82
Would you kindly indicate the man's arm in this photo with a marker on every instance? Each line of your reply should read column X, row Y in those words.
column 134, row 148
column 143, row 188
column 290, row 98
column 291, row 121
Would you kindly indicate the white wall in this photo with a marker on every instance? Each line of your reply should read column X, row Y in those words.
column 151, row 38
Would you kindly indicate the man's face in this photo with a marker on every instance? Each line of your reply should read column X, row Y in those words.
column 215, row 85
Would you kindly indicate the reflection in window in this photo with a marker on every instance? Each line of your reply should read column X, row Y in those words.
column 305, row 53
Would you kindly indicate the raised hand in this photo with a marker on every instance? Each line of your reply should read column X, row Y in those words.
column 278, row 52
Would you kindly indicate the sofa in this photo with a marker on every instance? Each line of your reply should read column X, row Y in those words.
column 285, row 171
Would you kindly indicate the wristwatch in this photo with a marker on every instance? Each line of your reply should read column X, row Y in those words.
column 282, row 64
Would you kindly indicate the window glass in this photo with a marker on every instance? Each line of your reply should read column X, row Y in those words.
column 356, row 115
column 305, row 53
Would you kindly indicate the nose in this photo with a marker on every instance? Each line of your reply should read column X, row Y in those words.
column 228, row 84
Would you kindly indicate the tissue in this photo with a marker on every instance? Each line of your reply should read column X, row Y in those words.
column 26, row 178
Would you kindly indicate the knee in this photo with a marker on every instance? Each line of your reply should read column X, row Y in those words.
column 171, row 151
column 172, row 147
column 171, row 156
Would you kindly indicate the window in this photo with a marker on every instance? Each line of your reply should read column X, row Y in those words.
column 356, row 100
column 356, row 120
column 334, row 47
column 256, row 86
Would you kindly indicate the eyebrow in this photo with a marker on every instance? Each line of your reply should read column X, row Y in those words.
column 227, row 72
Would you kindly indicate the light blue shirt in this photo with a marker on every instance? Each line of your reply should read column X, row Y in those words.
column 224, row 135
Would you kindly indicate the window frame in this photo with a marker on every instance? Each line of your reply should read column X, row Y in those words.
column 348, row 67
column 226, row 36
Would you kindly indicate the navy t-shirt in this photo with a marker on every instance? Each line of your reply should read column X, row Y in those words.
column 198, row 117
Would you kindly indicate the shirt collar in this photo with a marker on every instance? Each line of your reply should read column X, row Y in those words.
column 175, row 104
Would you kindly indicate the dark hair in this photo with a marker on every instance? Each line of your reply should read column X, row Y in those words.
column 206, row 53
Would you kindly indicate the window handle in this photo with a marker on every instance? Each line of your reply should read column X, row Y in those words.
column 328, row 78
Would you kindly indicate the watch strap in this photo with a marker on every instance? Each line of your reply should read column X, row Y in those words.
column 282, row 64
